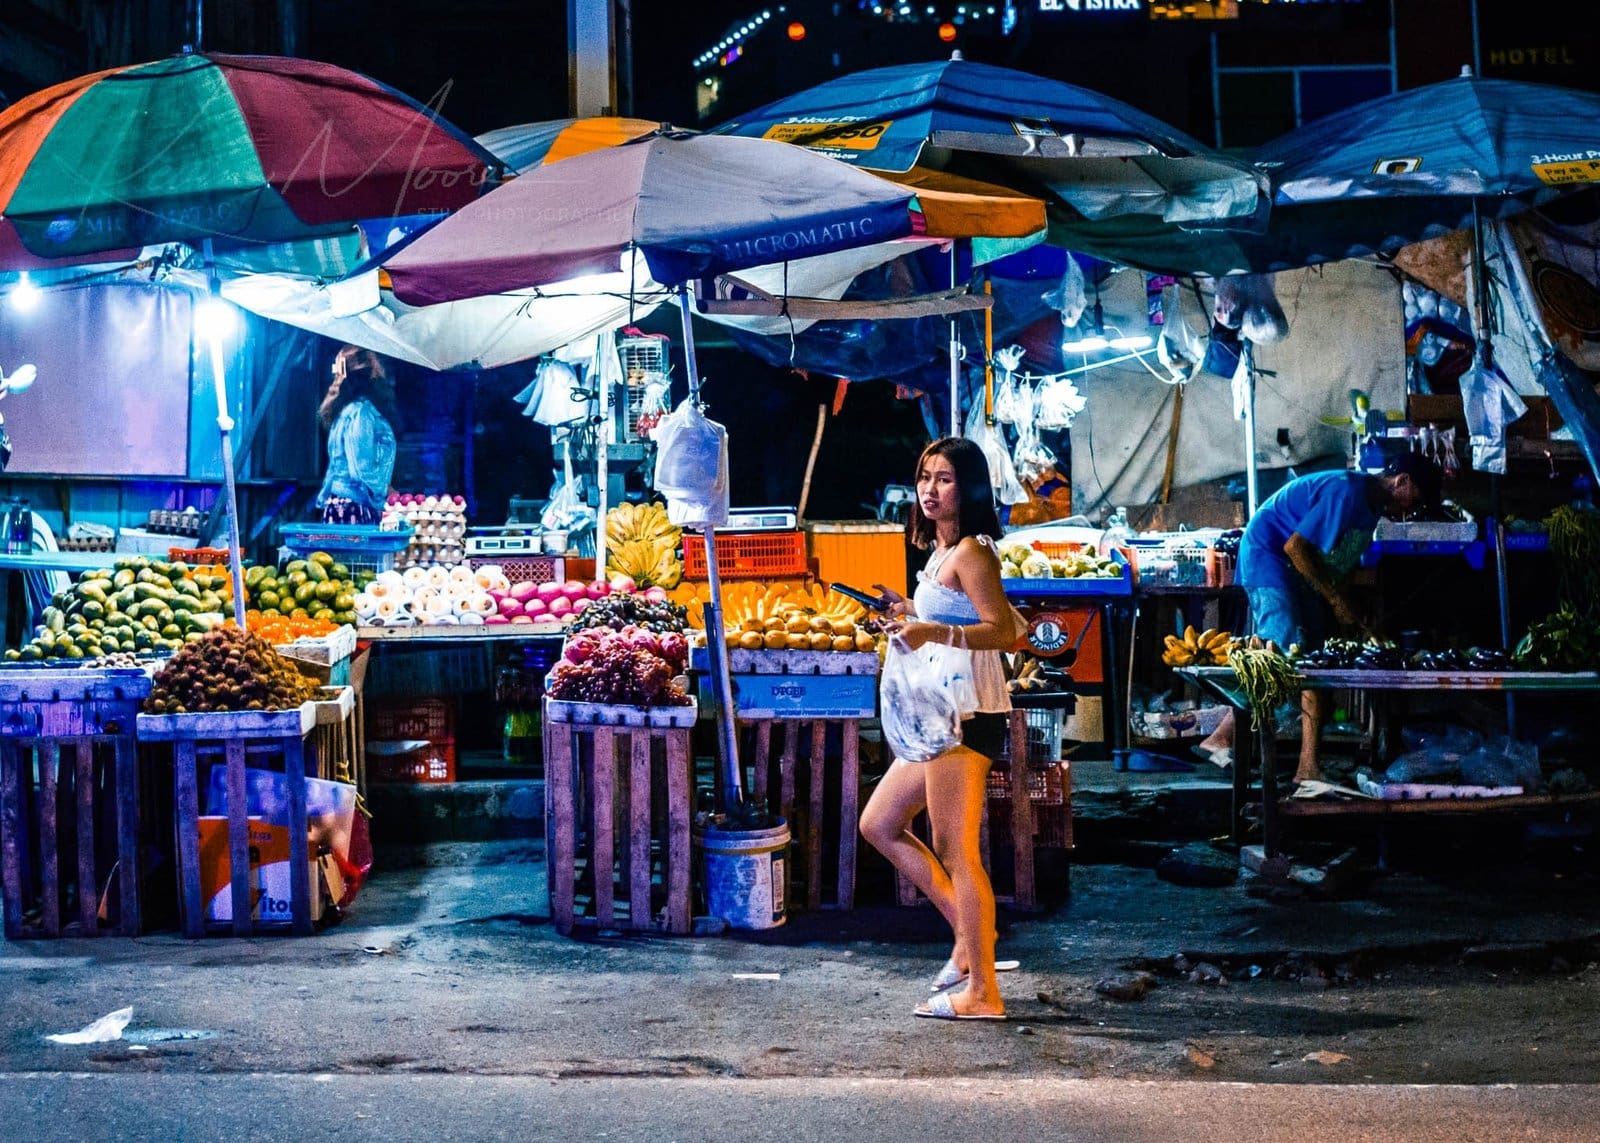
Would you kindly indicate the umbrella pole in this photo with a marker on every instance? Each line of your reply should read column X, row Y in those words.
column 230, row 489
column 955, row 357
column 1480, row 360
column 602, row 466
column 716, row 642
column 988, row 354
column 1252, row 481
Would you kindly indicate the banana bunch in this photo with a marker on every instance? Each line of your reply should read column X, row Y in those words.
column 1208, row 648
column 642, row 543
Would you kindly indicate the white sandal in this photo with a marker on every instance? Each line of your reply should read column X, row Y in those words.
column 949, row 976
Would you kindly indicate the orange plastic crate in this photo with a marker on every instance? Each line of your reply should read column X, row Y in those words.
column 199, row 555
column 747, row 555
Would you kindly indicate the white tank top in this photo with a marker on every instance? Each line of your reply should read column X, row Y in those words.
column 940, row 603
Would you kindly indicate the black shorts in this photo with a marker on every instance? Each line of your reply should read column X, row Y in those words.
column 985, row 733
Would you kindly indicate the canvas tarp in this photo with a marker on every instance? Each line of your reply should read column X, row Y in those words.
column 1346, row 331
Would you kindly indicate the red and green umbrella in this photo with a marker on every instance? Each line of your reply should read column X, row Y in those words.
column 228, row 148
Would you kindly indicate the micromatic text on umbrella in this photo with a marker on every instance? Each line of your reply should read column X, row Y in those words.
column 791, row 241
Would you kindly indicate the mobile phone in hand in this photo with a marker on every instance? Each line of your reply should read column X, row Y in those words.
column 874, row 602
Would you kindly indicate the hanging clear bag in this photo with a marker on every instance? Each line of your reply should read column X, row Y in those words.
column 692, row 467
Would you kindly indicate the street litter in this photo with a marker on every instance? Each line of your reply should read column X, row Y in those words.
column 1325, row 1057
column 144, row 1037
column 109, row 1027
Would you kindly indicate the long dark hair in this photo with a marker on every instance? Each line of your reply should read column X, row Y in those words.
column 977, row 516
column 367, row 376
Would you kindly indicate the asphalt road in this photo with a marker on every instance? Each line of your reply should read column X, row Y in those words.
column 447, row 1007
column 45, row 1108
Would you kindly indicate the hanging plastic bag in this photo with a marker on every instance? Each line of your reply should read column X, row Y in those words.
column 1069, row 298
column 1002, row 475
column 924, row 695
column 655, row 402
column 1264, row 320
column 552, row 402
column 1058, row 403
column 1035, row 460
column 566, row 510
column 1009, row 408
column 1490, row 404
column 692, row 467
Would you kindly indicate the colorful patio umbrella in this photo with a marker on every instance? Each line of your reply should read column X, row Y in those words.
column 952, row 206
column 687, row 206
column 1386, row 173
column 528, row 145
column 222, row 151
column 226, row 148
column 1091, row 153
column 692, row 205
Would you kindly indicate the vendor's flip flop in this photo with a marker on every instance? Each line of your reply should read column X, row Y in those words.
column 950, row 976
column 941, row 1007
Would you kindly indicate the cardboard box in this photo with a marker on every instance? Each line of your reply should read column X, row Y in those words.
column 269, row 872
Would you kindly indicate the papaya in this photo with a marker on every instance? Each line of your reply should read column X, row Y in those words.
column 316, row 572
column 122, row 579
column 253, row 577
column 336, row 570
column 188, row 587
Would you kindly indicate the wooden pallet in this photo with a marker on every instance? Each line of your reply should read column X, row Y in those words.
column 234, row 736
column 1022, row 820
column 617, row 806
column 777, row 772
column 61, row 728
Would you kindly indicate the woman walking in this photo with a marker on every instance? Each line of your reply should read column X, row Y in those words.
column 959, row 600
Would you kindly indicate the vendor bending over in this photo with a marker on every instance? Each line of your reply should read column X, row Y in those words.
column 1296, row 552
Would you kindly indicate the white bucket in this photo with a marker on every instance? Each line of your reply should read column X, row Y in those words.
column 745, row 875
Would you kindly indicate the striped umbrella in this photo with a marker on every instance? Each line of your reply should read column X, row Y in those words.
column 225, row 148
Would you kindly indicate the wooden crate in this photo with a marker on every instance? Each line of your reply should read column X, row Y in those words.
column 617, row 809
column 230, row 739
column 70, row 733
column 337, row 736
column 809, row 772
column 1015, row 822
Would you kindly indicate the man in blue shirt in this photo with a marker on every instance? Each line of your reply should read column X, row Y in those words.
column 1295, row 555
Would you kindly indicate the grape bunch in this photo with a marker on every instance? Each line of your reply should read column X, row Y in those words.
column 622, row 609
column 617, row 671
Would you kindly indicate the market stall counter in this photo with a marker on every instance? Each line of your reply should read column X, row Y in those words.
column 1223, row 682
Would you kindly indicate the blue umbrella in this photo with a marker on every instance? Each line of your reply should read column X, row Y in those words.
column 1381, row 175
column 1093, row 154
column 1417, row 164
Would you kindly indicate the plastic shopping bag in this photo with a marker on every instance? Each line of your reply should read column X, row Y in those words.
column 924, row 695
column 692, row 467
column 1002, row 474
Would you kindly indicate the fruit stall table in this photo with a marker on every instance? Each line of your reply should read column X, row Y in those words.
column 1075, row 623
column 1222, row 682
column 24, row 562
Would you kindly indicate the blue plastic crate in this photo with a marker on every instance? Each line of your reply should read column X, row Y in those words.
column 360, row 547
